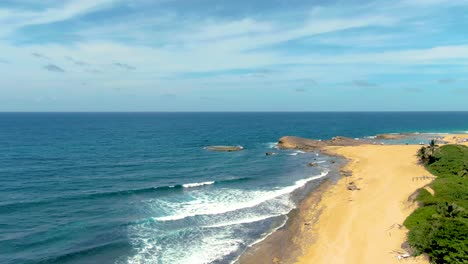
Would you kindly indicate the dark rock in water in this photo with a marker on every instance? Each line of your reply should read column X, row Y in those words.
column 312, row 164
column 270, row 153
column 225, row 148
column 290, row 142
column 391, row 136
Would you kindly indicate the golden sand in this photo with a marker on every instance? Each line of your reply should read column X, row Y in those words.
column 456, row 139
column 365, row 225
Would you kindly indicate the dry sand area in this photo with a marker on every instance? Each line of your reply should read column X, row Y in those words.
column 365, row 225
column 457, row 139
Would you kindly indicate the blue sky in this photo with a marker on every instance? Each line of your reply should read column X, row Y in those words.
column 214, row 55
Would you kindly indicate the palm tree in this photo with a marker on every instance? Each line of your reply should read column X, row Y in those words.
column 432, row 146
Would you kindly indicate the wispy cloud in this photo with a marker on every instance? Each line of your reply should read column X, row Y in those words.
column 12, row 19
column 433, row 2
column 39, row 55
column 200, row 53
column 54, row 68
column 124, row 66
column 77, row 62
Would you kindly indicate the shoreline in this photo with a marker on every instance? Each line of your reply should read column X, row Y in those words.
column 336, row 225
column 286, row 243
column 366, row 225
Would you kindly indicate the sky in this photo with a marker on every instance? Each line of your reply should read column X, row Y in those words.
column 242, row 55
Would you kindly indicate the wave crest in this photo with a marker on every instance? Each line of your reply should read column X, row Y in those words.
column 197, row 184
column 204, row 206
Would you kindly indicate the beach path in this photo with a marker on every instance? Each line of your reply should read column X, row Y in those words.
column 365, row 225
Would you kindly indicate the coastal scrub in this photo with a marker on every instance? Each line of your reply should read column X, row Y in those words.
column 440, row 226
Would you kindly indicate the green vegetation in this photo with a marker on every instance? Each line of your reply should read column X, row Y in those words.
column 440, row 226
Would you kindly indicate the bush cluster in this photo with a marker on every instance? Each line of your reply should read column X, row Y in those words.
column 439, row 227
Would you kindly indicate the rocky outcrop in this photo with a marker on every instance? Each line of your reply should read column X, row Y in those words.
column 344, row 141
column 391, row 136
column 225, row 148
column 290, row 142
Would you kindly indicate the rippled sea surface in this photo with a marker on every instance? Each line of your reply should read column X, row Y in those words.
column 141, row 188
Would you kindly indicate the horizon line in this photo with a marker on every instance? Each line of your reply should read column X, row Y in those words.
column 188, row 112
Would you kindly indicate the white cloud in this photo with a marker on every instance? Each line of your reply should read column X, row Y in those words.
column 212, row 45
column 13, row 19
column 433, row 2
column 213, row 30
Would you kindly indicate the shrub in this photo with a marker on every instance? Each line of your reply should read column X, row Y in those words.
column 440, row 227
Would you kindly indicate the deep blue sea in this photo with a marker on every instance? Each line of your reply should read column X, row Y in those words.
column 141, row 188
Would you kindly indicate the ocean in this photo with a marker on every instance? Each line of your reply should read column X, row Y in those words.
column 141, row 188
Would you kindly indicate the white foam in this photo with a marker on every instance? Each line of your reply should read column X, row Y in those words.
column 271, row 232
column 242, row 221
column 297, row 152
column 202, row 249
column 263, row 238
column 148, row 251
column 220, row 235
column 221, row 202
column 272, row 145
column 197, row 184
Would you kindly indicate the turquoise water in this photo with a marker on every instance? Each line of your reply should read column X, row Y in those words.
column 141, row 188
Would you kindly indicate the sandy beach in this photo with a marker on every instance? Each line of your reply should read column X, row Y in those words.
column 360, row 218
column 365, row 225
column 456, row 139
column 337, row 225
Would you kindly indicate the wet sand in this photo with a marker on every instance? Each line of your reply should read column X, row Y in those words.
column 290, row 241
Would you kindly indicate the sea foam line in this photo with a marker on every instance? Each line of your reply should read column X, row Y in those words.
column 197, row 184
column 221, row 208
column 261, row 239
column 243, row 221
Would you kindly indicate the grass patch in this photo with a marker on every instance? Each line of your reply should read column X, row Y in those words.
column 440, row 226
